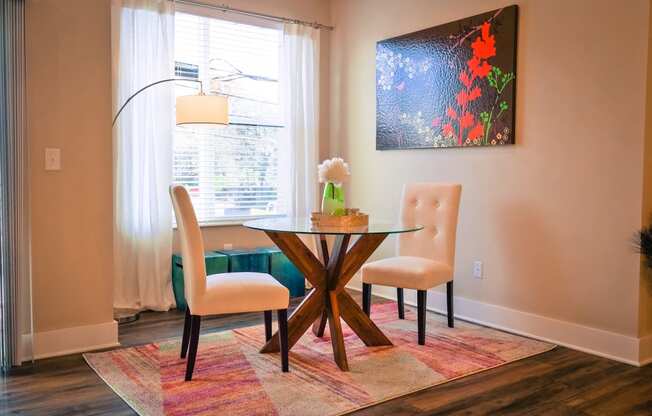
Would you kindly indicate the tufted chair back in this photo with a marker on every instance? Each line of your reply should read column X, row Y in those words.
column 192, row 245
column 435, row 206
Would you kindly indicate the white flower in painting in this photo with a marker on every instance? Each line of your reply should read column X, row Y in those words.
column 334, row 170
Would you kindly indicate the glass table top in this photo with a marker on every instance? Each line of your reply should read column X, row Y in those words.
column 305, row 226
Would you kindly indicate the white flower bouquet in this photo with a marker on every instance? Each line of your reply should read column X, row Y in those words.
column 334, row 170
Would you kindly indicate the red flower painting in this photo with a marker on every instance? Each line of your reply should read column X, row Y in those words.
column 450, row 85
column 484, row 46
column 478, row 67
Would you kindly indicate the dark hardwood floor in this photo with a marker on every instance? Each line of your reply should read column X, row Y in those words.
column 559, row 382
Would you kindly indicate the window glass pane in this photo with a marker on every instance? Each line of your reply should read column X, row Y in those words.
column 231, row 171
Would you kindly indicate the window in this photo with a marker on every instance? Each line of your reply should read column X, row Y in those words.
column 231, row 172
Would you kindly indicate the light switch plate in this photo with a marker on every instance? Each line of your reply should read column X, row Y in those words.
column 228, row 246
column 52, row 158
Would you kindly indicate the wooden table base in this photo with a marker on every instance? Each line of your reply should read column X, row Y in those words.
column 327, row 301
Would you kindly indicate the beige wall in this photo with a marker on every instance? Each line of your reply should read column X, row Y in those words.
column 69, row 107
column 552, row 216
column 646, row 274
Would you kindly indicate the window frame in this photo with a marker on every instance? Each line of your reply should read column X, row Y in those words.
column 242, row 19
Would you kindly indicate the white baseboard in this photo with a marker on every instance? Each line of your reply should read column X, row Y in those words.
column 70, row 340
column 622, row 348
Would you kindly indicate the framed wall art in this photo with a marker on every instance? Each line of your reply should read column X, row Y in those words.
column 452, row 85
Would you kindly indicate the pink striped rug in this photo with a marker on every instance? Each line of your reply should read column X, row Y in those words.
column 232, row 378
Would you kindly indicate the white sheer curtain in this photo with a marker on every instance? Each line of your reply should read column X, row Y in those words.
column 300, row 98
column 142, row 42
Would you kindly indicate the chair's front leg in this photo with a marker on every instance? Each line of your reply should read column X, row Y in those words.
column 186, row 333
column 195, row 323
column 421, row 315
column 283, row 338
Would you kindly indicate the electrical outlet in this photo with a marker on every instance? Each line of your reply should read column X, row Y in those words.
column 228, row 246
column 477, row 269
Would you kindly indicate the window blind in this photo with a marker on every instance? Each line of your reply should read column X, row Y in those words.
column 231, row 171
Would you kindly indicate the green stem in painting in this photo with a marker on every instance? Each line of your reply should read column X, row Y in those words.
column 499, row 114
column 498, row 80
column 487, row 126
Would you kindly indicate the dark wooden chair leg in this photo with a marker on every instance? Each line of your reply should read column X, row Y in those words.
column 366, row 298
column 186, row 334
column 283, row 338
column 449, row 304
column 399, row 300
column 268, row 325
column 195, row 323
column 421, row 315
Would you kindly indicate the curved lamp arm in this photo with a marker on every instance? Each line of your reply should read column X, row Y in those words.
column 201, row 91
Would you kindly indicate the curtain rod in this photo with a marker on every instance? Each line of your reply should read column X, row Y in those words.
column 228, row 9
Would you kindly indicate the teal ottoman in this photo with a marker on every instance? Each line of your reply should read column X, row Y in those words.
column 285, row 271
column 215, row 263
column 246, row 260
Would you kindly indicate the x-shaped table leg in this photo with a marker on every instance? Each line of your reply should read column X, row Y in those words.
column 328, row 280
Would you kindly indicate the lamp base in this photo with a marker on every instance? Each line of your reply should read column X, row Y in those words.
column 125, row 316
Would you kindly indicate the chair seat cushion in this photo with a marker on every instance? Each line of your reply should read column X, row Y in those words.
column 241, row 292
column 407, row 272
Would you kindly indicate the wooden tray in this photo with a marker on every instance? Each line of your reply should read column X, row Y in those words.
column 352, row 218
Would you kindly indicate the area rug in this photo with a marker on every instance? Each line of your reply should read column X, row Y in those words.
column 232, row 378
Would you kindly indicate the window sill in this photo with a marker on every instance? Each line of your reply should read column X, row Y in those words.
column 230, row 222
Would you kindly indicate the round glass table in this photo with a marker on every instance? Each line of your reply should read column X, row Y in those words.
column 327, row 301
column 305, row 226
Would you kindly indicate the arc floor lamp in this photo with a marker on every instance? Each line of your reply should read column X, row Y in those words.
column 190, row 109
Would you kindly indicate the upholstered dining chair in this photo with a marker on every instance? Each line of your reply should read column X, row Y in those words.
column 224, row 292
column 426, row 257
